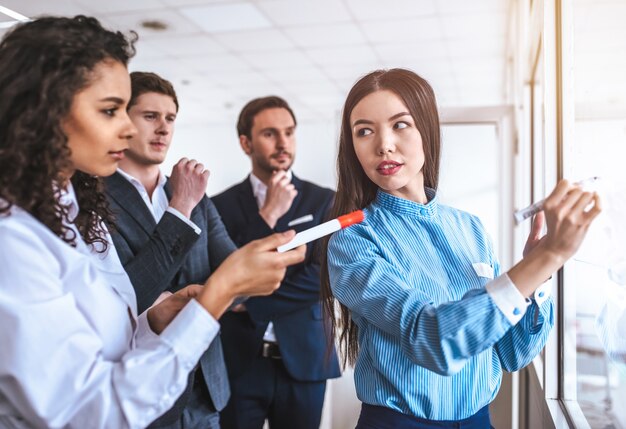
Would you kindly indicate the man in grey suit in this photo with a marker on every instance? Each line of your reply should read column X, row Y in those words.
column 168, row 234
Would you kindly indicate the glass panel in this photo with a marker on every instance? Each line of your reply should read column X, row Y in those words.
column 597, row 275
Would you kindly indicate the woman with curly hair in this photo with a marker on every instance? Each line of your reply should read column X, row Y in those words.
column 74, row 352
column 426, row 316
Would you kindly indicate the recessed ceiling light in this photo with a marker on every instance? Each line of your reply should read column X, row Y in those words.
column 220, row 18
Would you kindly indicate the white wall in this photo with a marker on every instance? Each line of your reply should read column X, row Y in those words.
column 217, row 146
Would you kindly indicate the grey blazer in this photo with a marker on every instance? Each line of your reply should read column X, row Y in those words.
column 167, row 256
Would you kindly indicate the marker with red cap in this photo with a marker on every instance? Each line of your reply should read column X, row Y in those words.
column 323, row 229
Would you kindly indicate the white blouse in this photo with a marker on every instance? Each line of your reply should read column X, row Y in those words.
column 73, row 353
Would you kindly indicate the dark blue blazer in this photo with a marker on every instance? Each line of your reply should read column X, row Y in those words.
column 295, row 308
column 167, row 256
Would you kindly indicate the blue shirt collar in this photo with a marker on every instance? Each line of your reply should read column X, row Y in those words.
column 408, row 207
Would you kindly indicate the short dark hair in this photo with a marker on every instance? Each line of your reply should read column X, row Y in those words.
column 144, row 82
column 256, row 106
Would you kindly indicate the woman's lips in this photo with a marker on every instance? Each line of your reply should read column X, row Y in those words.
column 387, row 168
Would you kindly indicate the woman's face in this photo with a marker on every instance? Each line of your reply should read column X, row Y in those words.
column 97, row 126
column 388, row 145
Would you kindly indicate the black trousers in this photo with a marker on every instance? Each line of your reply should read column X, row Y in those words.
column 267, row 391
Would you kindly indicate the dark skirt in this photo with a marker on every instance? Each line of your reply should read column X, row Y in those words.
column 375, row 417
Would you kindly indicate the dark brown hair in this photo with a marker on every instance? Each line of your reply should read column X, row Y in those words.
column 256, row 106
column 356, row 191
column 43, row 65
column 144, row 82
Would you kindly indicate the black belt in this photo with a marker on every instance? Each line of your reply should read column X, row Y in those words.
column 270, row 350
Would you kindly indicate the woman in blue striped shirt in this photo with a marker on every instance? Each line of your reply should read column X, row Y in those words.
column 426, row 316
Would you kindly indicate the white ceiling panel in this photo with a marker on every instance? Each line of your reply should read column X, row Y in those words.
column 170, row 70
column 198, row 44
column 37, row 8
column 214, row 63
column 242, row 78
column 221, row 53
column 277, row 59
column 147, row 50
column 324, row 87
column 402, row 31
column 366, row 10
column 350, row 71
column 452, row 7
column 342, row 55
column 217, row 18
column 254, row 41
column 477, row 47
column 289, row 13
column 390, row 52
column 113, row 6
column 176, row 24
column 317, row 36
column 430, row 68
column 475, row 25
column 295, row 75
column 182, row 3
column 494, row 65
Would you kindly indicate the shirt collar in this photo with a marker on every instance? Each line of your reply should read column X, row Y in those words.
column 137, row 184
column 408, row 207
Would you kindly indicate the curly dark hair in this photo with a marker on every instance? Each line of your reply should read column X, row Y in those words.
column 43, row 64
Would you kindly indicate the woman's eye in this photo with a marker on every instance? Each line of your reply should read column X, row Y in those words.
column 400, row 125
column 363, row 132
column 110, row 112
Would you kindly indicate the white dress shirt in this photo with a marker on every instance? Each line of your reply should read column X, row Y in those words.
column 259, row 189
column 74, row 354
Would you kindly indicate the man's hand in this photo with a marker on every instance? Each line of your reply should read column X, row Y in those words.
column 161, row 314
column 280, row 195
column 188, row 181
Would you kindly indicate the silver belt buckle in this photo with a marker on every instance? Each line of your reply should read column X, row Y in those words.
column 266, row 350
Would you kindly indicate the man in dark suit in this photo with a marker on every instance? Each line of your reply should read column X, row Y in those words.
column 168, row 235
column 276, row 347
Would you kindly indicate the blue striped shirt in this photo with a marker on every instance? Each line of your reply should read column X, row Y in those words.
column 435, row 329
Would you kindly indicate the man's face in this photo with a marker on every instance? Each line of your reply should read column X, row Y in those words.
column 153, row 114
column 272, row 145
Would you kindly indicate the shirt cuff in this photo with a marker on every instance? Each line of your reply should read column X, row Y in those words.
column 180, row 216
column 190, row 333
column 507, row 298
column 543, row 292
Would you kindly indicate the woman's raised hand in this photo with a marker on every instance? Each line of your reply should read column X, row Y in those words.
column 569, row 212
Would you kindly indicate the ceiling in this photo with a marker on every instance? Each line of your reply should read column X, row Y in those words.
column 220, row 54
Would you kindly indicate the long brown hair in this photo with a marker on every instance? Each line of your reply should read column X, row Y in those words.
column 356, row 191
column 43, row 65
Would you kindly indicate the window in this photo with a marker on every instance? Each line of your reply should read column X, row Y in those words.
column 595, row 278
